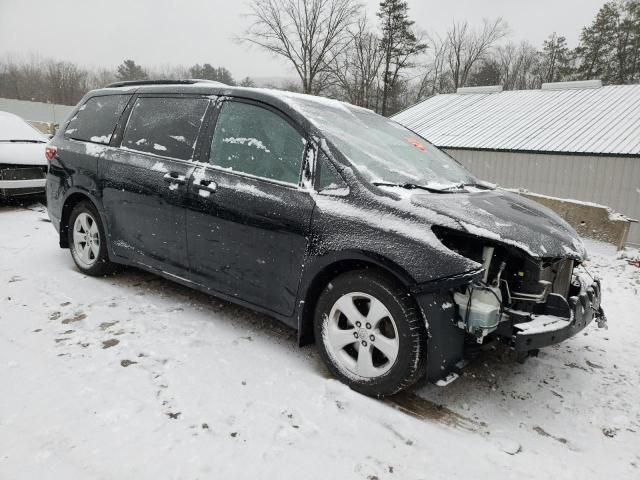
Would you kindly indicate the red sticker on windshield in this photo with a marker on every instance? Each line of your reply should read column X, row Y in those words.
column 416, row 143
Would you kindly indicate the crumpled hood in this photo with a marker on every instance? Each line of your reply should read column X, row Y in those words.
column 508, row 218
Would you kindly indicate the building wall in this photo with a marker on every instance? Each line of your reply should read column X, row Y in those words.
column 610, row 181
column 36, row 111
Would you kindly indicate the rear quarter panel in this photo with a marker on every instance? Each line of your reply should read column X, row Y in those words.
column 73, row 170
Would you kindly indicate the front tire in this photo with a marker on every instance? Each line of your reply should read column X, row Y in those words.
column 370, row 333
column 87, row 241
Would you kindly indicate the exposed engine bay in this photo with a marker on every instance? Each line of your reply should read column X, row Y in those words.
column 525, row 302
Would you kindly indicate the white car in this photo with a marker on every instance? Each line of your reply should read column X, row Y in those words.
column 23, row 165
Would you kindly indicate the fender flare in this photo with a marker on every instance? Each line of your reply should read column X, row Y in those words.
column 67, row 206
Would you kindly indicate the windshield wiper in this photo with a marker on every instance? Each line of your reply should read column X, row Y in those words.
column 485, row 186
column 23, row 141
column 415, row 186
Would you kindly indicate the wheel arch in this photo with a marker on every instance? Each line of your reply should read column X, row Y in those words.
column 328, row 268
column 73, row 199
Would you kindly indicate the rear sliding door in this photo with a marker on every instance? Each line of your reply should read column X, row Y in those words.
column 145, row 181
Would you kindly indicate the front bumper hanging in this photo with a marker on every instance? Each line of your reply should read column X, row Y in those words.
column 563, row 319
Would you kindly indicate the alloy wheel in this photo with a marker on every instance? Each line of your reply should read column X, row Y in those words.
column 86, row 240
column 361, row 335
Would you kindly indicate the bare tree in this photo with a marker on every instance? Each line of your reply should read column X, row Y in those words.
column 519, row 66
column 307, row 33
column 169, row 72
column 42, row 80
column 67, row 82
column 357, row 70
column 468, row 46
column 24, row 79
column 54, row 81
column 434, row 79
column 100, row 78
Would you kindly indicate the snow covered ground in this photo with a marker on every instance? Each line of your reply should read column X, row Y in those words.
column 132, row 376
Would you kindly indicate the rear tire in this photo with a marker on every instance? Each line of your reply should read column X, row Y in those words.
column 365, row 312
column 87, row 241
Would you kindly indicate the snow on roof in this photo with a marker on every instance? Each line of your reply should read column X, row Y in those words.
column 567, row 118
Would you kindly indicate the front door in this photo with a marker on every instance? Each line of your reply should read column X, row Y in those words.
column 248, row 221
column 144, row 183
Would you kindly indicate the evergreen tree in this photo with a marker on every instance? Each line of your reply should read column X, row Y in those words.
column 129, row 70
column 208, row 72
column 596, row 48
column 556, row 59
column 399, row 44
column 487, row 74
column 609, row 47
column 247, row 82
column 628, row 42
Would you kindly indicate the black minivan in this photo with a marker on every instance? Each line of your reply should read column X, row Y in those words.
column 343, row 224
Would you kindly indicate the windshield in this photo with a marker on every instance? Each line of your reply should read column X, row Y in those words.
column 383, row 150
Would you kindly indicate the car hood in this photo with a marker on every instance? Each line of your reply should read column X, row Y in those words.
column 22, row 153
column 507, row 218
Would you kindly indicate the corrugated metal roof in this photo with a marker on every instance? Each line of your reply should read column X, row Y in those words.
column 577, row 120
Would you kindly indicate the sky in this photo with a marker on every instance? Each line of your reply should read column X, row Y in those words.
column 102, row 33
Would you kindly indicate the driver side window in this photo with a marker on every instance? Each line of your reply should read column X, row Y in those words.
column 256, row 141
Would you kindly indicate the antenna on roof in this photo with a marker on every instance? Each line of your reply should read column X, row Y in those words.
column 487, row 89
column 572, row 85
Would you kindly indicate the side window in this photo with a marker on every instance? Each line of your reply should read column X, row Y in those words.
column 330, row 181
column 96, row 119
column 256, row 141
column 165, row 126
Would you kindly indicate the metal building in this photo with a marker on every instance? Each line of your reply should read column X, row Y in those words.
column 578, row 140
column 36, row 111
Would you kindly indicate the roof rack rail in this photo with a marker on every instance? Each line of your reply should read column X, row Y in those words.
column 188, row 81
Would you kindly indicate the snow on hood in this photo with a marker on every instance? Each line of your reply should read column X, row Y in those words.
column 20, row 143
column 510, row 219
column 13, row 127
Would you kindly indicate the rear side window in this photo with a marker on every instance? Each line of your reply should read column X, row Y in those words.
column 257, row 141
column 97, row 118
column 165, row 126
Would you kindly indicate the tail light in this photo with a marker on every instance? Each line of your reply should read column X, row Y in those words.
column 50, row 152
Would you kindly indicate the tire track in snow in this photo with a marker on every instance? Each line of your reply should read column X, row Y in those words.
column 426, row 410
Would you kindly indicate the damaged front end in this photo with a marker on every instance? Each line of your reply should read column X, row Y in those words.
column 526, row 302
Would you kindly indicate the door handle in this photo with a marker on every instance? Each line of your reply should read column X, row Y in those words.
column 174, row 177
column 206, row 185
